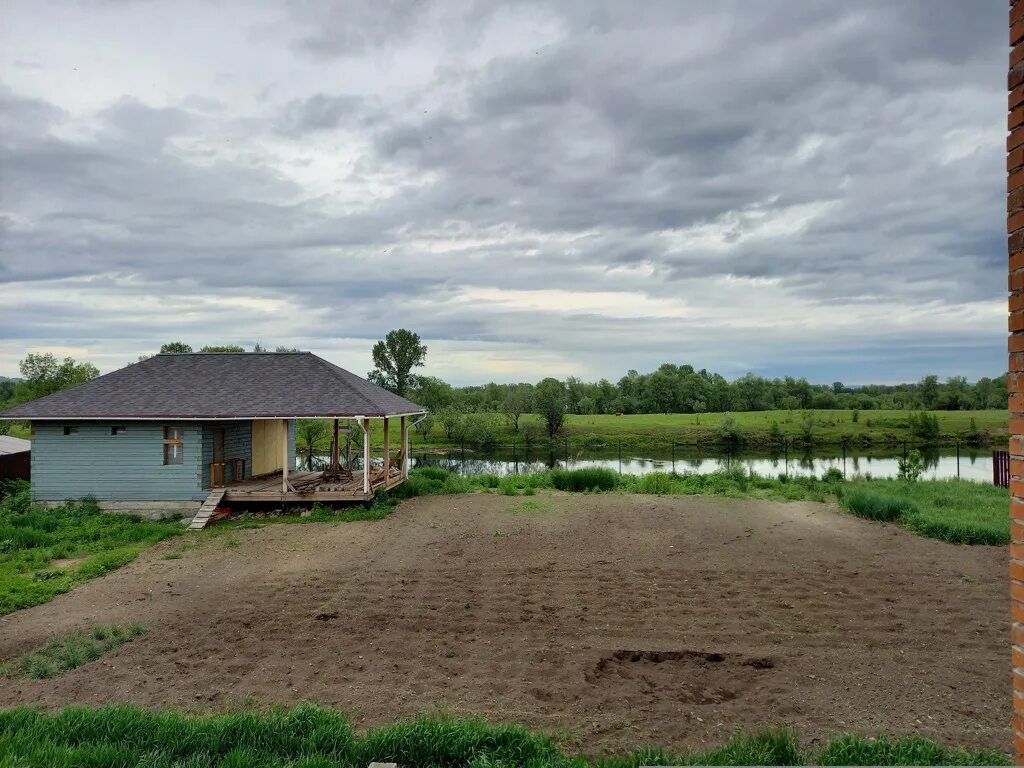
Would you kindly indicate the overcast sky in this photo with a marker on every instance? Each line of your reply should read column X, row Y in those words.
column 573, row 188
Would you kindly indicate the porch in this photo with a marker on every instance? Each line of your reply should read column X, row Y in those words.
column 310, row 487
column 337, row 482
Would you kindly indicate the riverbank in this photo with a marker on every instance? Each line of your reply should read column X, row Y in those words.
column 758, row 429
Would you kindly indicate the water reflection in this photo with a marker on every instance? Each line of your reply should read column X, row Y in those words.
column 971, row 464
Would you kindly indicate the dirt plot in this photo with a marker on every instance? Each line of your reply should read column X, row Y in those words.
column 615, row 621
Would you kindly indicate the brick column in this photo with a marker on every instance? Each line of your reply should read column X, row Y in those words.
column 1015, row 231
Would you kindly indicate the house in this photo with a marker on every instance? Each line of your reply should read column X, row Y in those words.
column 14, row 458
column 170, row 432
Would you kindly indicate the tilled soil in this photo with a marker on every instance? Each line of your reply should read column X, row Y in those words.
column 615, row 621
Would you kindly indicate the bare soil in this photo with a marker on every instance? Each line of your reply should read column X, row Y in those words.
column 614, row 621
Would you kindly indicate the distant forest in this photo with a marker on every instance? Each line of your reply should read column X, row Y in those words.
column 683, row 389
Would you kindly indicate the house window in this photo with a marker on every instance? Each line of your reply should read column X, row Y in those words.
column 70, row 431
column 173, row 448
column 117, row 430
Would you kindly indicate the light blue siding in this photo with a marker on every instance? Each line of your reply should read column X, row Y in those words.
column 129, row 466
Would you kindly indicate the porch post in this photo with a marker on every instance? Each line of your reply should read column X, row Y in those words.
column 405, row 450
column 335, row 450
column 387, row 450
column 284, row 457
column 366, row 456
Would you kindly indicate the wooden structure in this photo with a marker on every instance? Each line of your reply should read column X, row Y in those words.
column 1001, row 468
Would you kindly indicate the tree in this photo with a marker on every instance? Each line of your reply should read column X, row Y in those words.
column 516, row 403
column 928, row 391
column 423, row 426
column 175, row 346
column 550, row 401
column 311, row 434
column 223, row 348
column 43, row 375
column 394, row 358
column 451, row 421
column 285, row 349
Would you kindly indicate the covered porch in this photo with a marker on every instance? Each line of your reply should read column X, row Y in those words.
column 336, row 482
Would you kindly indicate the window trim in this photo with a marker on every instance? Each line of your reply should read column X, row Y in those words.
column 117, row 430
column 70, row 429
column 170, row 442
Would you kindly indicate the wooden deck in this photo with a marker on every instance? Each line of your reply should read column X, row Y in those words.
column 309, row 486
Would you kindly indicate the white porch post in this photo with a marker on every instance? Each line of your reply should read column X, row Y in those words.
column 284, row 458
column 366, row 456
column 405, row 449
column 387, row 451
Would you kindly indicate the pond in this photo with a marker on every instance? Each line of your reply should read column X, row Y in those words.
column 940, row 463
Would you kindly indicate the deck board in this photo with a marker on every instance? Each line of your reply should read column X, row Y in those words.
column 268, row 488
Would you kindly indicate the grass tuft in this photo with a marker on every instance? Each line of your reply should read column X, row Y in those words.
column 71, row 650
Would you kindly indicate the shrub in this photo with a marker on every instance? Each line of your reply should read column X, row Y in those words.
column 729, row 432
column 911, row 466
column 832, row 475
column 658, row 483
column 775, row 434
column 591, row 478
column 874, row 506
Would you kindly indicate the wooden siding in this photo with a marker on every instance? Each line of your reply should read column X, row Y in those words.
column 125, row 467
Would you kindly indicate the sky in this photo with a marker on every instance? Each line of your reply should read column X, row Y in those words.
column 571, row 188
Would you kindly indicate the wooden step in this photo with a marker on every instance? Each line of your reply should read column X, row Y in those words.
column 206, row 511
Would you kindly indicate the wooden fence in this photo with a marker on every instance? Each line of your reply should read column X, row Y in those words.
column 1001, row 468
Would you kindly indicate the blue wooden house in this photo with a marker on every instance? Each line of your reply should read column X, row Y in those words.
column 173, row 431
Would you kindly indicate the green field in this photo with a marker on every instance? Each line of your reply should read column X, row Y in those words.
column 657, row 430
column 310, row 736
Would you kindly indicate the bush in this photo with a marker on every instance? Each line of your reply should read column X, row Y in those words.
column 911, row 467
column 658, row 483
column 874, row 506
column 589, row 479
column 832, row 475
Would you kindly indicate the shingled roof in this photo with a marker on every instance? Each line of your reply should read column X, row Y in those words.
column 220, row 385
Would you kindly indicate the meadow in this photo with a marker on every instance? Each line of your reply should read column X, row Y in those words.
column 755, row 428
column 310, row 736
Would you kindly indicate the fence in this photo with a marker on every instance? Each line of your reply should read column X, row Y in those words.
column 1001, row 468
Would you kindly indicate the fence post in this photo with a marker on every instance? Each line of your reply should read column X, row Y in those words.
column 515, row 459
column 673, row 457
column 620, row 457
column 785, row 443
column 844, row 458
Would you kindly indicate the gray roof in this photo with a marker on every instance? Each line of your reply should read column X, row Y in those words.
column 10, row 444
column 220, row 385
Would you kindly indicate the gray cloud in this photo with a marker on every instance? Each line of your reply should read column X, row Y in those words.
column 816, row 169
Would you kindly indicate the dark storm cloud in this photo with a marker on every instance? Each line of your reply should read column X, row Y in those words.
column 839, row 154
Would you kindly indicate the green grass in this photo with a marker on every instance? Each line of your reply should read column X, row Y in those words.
column 32, row 537
column 71, row 650
column 310, row 736
column 957, row 511
column 659, row 430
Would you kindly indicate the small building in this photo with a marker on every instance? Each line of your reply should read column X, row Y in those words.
column 166, row 434
column 15, row 458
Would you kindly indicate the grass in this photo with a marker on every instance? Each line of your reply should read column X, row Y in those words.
column 659, row 430
column 71, row 650
column 316, row 737
column 32, row 537
column 957, row 511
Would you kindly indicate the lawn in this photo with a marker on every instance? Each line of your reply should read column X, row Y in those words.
column 46, row 551
column 658, row 431
column 309, row 735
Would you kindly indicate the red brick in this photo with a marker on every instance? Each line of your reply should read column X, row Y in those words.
column 1016, row 13
column 1017, row 490
column 1015, row 118
column 1017, row 634
column 1015, row 221
column 1016, row 364
column 1016, row 32
column 1018, row 742
column 1017, row 448
column 1017, row 530
column 1017, row 428
column 1016, row 322
column 1016, row 344
column 1017, row 404
column 1016, row 301
column 1015, row 138
column 1016, row 281
column 1016, row 56
column 1016, row 261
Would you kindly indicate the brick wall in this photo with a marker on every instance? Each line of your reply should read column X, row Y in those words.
column 1015, row 232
